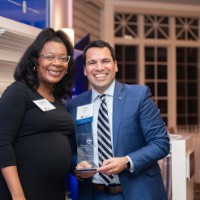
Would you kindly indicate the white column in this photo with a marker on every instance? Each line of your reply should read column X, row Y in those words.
column 61, row 14
column 182, row 168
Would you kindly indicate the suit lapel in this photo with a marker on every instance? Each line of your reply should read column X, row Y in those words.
column 118, row 104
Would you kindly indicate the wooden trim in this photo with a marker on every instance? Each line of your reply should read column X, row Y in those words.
column 157, row 8
column 97, row 3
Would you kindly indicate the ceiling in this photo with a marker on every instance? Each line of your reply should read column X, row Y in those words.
column 14, row 38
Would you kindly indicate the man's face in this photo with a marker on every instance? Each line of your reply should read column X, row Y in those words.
column 100, row 68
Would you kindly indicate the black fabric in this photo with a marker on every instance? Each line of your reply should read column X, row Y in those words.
column 36, row 142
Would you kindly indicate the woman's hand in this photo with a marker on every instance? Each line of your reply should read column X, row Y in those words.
column 84, row 170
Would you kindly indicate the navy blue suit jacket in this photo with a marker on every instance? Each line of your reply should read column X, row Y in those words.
column 140, row 133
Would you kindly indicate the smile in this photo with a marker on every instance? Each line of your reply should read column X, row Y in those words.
column 100, row 75
column 54, row 72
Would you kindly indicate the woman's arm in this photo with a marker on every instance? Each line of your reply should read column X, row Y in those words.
column 12, row 107
column 12, row 179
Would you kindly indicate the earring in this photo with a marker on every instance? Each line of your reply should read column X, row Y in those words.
column 35, row 69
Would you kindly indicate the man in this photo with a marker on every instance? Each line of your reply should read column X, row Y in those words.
column 138, row 134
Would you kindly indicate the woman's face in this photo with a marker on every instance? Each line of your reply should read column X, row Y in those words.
column 53, row 63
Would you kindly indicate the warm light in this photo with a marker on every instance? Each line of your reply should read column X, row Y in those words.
column 2, row 31
column 70, row 33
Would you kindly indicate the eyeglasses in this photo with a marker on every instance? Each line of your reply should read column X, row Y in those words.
column 51, row 57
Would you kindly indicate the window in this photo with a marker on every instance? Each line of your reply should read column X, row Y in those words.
column 127, row 63
column 168, row 54
column 187, row 28
column 187, row 86
column 156, row 76
column 126, row 25
column 156, row 27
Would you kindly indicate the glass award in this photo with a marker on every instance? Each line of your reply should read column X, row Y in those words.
column 85, row 150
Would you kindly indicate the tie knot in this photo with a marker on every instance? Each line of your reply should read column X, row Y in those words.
column 102, row 97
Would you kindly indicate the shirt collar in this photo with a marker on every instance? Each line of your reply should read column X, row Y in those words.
column 109, row 91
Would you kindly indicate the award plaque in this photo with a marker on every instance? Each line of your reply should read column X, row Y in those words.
column 85, row 150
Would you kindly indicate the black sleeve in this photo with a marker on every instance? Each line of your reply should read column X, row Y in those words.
column 12, row 107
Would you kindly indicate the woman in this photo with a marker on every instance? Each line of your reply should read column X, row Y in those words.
column 35, row 152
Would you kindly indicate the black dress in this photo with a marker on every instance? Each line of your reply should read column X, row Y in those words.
column 36, row 142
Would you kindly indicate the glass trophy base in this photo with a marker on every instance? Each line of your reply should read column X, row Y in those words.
column 93, row 169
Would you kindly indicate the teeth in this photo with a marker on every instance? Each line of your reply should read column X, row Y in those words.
column 100, row 75
column 53, row 72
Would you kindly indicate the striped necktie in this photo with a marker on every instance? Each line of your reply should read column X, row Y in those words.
column 104, row 139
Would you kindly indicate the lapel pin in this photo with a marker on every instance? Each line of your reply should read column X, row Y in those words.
column 120, row 98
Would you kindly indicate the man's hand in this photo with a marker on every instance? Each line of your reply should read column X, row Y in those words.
column 113, row 165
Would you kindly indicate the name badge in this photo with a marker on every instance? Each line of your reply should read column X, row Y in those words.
column 84, row 114
column 44, row 105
